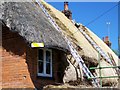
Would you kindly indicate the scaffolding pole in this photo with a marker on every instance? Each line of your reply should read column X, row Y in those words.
column 99, row 58
column 100, row 73
column 104, row 67
column 105, row 77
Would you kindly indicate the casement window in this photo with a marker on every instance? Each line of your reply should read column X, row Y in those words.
column 45, row 62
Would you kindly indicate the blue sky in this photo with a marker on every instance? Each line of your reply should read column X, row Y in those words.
column 84, row 12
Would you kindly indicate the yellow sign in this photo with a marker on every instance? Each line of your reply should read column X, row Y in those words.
column 37, row 44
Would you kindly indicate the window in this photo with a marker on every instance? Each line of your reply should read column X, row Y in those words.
column 45, row 62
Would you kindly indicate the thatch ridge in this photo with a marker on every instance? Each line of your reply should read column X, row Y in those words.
column 31, row 23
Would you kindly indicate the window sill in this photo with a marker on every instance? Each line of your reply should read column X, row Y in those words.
column 44, row 75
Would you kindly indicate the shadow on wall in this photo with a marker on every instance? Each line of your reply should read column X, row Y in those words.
column 13, row 42
column 60, row 64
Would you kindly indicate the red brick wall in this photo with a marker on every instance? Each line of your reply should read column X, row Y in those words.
column 19, row 63
column 15, row 72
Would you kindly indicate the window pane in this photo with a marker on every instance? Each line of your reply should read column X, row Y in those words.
column 40, row 54
column 40, row 66
column 48, row 57
column 47, row 68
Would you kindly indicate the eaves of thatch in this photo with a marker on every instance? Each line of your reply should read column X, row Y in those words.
column 31, row 23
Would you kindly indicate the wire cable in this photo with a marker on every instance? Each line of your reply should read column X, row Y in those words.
column 99, row 16
column 102, row 14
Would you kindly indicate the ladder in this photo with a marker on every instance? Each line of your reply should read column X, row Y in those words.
column 74, row 53
column 107, row 58
column 96, row 46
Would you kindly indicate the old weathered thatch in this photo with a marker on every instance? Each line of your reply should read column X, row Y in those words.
column 31, row 23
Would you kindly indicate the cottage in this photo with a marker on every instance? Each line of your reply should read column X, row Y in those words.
column 26, row 65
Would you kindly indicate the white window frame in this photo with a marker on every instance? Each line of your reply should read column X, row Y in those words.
column 44, row 74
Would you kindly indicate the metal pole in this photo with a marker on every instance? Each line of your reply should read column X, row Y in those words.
column 108, row 23
column 99, row 58
column 105, row 77
column 104, row 67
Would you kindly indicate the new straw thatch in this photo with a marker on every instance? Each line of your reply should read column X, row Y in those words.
column 31, row 23
column 87, row 52
column 69, row 28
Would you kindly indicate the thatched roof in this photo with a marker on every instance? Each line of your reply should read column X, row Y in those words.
column 87, row 52
column 31, row 23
